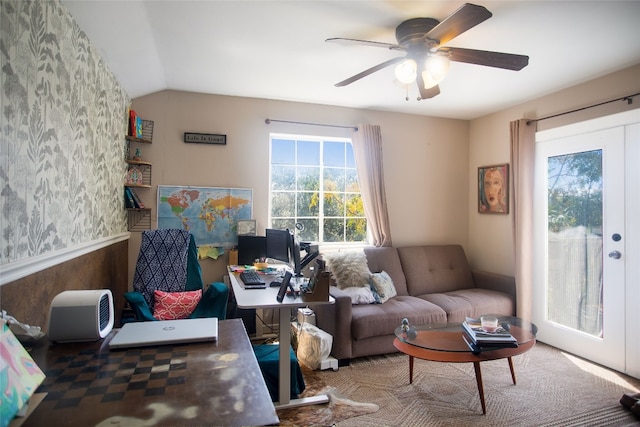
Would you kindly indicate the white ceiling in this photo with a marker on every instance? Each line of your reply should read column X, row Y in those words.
column 277, row 49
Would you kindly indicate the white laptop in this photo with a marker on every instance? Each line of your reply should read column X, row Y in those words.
column 163, row 332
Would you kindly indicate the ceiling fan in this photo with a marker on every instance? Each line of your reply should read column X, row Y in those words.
column 426, row 61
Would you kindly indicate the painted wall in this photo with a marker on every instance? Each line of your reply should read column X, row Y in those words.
column 425, row 159
column 490, row 241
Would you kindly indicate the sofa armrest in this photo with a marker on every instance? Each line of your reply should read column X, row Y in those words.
column 335, row 319
column 495, row 282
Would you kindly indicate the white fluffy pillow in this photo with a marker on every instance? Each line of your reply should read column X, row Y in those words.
column 384, row 285
column 349, row 269
column 360, row 295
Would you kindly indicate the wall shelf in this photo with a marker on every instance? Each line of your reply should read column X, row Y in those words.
column 142, row 174
column 138, row 176
column 139, row 219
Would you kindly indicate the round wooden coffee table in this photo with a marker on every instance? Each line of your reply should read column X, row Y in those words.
column 446, row 343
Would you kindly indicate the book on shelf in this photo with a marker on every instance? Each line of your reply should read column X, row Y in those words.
column 136, row 198
column 500, row 337
column 132, row 122
column 129, row 202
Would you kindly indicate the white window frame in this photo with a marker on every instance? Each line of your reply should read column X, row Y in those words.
column 326, row 246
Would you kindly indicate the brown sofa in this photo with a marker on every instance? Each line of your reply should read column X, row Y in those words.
column 434, row 284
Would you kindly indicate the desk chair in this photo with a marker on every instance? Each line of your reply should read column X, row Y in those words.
column 168, row 261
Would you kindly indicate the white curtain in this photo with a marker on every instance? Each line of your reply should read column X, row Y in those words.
column 523, row 161
column 367, row 150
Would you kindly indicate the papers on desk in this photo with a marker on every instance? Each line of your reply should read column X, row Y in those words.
column 267, row 271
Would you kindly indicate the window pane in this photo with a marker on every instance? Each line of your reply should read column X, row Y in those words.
column 308, row 204
column 354, row 206
column 310, row 232
column 334, row 179
column 309, row 153
column 351, row 160
column 283, row 177
column 282, row 224
column 356, row 230
column 333, row 154
column 575, row 241
column 334, row 230
column 283, row 151
column 308, row 178
column 282, row 204
column 352, row 185
column 333, row 204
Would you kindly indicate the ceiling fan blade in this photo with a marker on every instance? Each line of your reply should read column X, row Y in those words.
column 426, row 93
column 369, row 71
column 509, row 61
column 466, row 17
column 389, row 46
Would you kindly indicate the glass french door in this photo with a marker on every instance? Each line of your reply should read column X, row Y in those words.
column 579, row 229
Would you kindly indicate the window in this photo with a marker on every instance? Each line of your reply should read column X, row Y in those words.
column 313, row 183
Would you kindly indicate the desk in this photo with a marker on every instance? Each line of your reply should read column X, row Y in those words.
column 266, row 298
column 174, row 385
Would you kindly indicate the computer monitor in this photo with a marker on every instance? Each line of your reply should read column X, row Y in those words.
column 283, row 246
column 251, row 248
column 278, row 242
column 295, row 256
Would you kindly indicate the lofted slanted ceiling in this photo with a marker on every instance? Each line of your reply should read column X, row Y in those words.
column 277, row 49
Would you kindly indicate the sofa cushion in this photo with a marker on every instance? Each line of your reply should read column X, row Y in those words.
column 383, row 319
column 383, row 285
column 387, row 259
column 471, row 302
column 435, row 268
column 349, row 269
column 360, row 295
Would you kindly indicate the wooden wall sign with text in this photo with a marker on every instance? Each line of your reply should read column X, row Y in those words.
column 205, row 138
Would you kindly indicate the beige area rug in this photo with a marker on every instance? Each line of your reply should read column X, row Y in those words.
column 553, row 389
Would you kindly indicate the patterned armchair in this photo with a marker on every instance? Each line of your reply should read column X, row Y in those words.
column 168, row 262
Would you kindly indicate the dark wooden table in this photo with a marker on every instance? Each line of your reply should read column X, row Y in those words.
column 176, row 385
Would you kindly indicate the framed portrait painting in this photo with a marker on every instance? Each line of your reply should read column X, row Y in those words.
column 493, row 189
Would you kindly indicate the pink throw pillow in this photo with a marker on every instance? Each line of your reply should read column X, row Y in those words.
column 175, row 305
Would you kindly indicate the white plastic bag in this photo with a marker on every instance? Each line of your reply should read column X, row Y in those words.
column 314, row 345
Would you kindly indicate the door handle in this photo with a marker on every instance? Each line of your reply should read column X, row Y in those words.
column 615, row 254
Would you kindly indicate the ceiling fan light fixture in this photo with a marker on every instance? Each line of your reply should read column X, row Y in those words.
column 406, row 71
column 428, row 80
column 437, row 66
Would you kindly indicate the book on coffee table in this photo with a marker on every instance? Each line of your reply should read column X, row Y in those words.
column 500, row 337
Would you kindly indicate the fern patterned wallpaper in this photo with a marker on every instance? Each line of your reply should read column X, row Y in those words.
column 63, row 120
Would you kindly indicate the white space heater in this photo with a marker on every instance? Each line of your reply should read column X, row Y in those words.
column 85, row 315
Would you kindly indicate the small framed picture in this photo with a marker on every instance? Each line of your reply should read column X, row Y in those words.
column 246, row 227
column 493, row 189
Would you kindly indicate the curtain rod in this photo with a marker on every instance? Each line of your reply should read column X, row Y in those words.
column 268, row 121
column 628, row 98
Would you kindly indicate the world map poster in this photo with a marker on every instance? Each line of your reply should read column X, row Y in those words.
column 211, row 214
